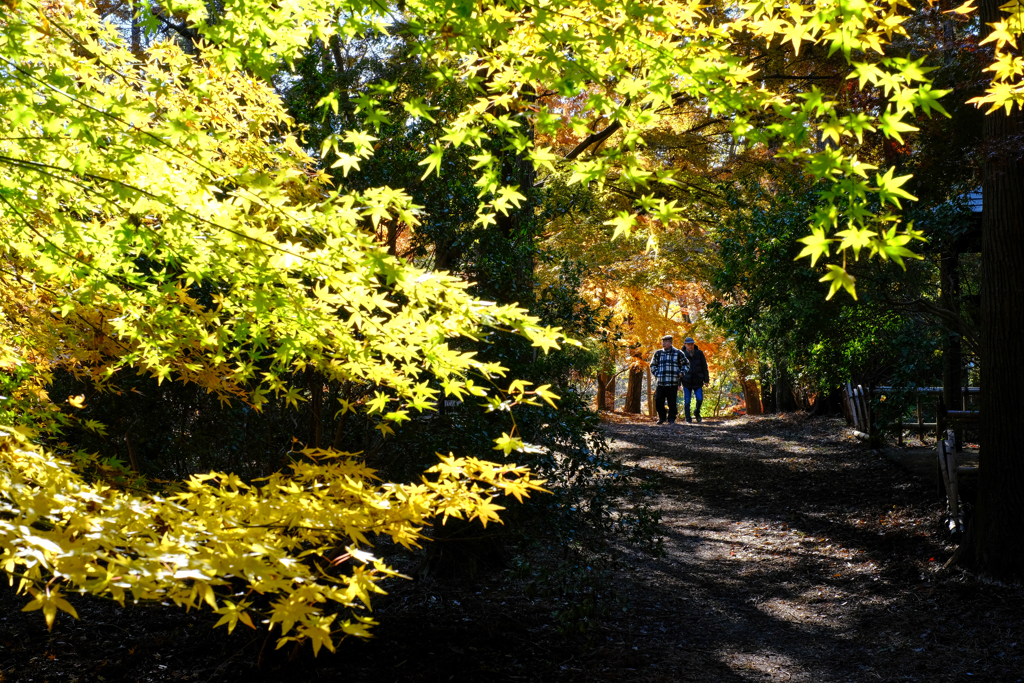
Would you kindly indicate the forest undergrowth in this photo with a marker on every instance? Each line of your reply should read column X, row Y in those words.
column 792, row 553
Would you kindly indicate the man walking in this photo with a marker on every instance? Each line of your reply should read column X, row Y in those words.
column 694, row 377
column 667, row 366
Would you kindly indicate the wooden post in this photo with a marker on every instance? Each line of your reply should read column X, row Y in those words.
column 867, row 412
column 855, row 405
column 848, row 397
column 954, row 497
column 921, row 422
column 865, row 420
column 940, row 450
column 650, row 392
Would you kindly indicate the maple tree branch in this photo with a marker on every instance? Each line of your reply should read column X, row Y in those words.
column 592, row 139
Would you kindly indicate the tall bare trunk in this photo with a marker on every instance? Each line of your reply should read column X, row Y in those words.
column 767, row 390
column 993, row 544
column 633, row 389
column 751, row 392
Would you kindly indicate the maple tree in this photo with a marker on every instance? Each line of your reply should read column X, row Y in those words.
column 160, row 216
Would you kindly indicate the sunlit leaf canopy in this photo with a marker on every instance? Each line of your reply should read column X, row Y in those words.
column 169, row 189
column 168, row 213
column 159, row 215
column 634, row 60
column 1007, row 86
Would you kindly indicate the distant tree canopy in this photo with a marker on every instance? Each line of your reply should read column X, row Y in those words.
column 161, row 214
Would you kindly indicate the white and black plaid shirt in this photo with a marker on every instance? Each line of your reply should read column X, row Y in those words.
column 666, row 366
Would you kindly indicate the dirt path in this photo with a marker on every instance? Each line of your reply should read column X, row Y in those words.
column 795, row 554
column 792, row 554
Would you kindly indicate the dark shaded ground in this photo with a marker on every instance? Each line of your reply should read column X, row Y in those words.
column 793, row 554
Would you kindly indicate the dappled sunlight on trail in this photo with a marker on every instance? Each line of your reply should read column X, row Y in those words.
column 795, row 553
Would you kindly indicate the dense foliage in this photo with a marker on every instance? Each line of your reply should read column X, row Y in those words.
column 771, row 305
column 160, row 213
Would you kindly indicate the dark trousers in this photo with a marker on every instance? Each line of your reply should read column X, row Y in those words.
column 667, row 393
column 698, row 392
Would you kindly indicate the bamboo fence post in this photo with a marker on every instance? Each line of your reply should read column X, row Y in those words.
column 940, row 450
column 853, row 407
column 954, row 497
column 867, row 412
column 899, row 430
column 863, row 409
column 921, row 422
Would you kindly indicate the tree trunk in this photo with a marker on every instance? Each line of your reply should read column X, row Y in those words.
column 993, row 544
column 633, row 390
column 136, row 33
column 752, row 397
column 767, row 390
column 133, row 459
column 606, row 389
column 785, row 401
column 751, row 393
column 650, row 392
column 609, row 391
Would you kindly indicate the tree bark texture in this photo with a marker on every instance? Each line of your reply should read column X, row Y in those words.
column 316, row 397
column 606, row 390
column 634, row 389
column 751, row 393
column 993, row 545
column 767, row 390
column 650, row 392
column 785, row 401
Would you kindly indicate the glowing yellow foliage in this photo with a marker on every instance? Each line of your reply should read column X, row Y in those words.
column 282, row 538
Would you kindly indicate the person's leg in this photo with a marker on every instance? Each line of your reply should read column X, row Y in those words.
column 673, row 402
column 659, row 403
column 686, row 402
column 700, row 399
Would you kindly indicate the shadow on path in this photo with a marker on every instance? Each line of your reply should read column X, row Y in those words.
column 794, row 553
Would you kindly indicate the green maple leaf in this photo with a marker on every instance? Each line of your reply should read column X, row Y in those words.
column 928, row 99
column 818, row 245
column 891, row 125
column 623, row 224
column 890, row 188
column 840, row 279
column 433, row 162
